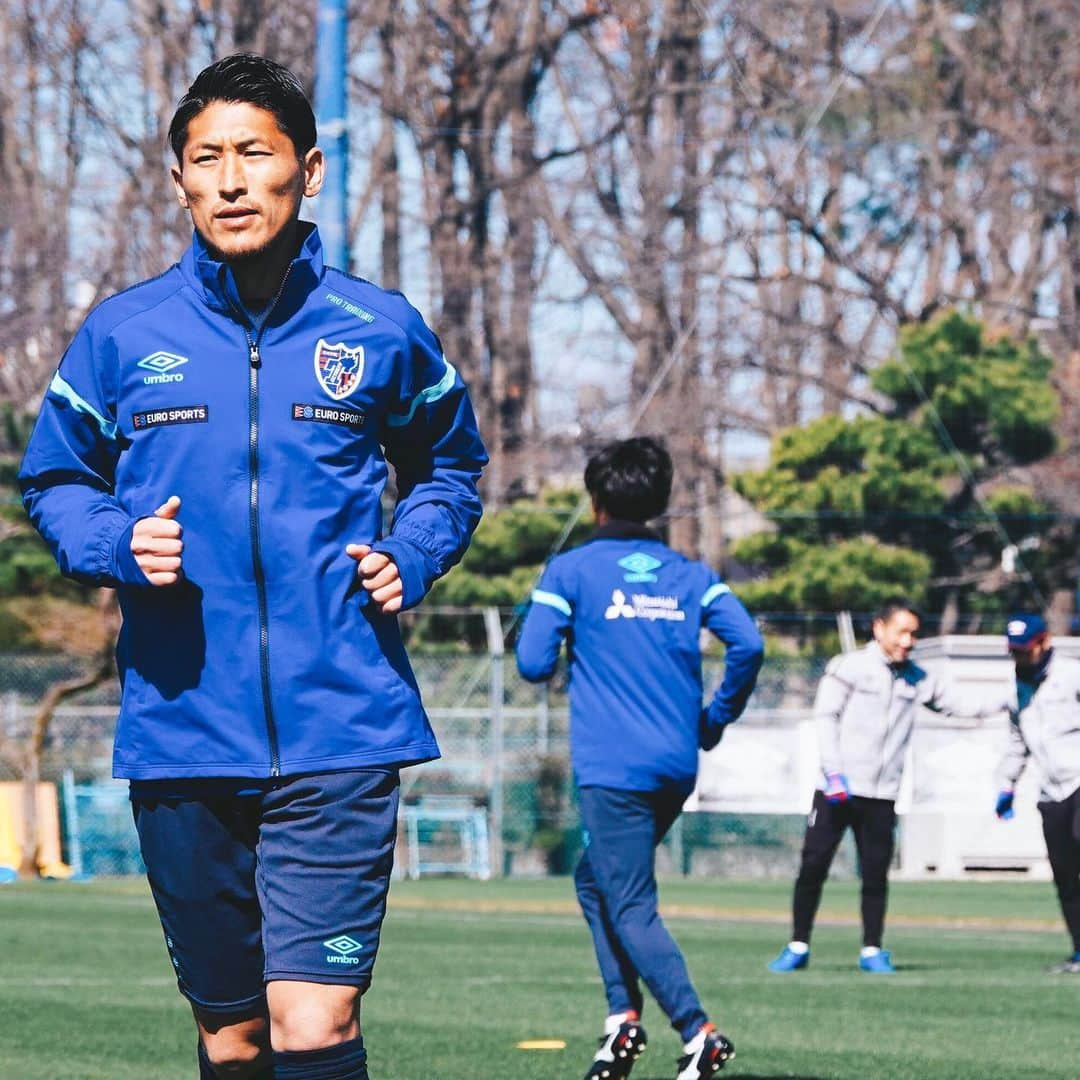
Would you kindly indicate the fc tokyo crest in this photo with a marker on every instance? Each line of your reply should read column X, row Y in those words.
column 338, row 368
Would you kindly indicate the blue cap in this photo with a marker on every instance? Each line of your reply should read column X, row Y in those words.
column 1022, row 630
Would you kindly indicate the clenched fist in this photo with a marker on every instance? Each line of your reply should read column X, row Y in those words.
column 379, row 575
column 157, row 545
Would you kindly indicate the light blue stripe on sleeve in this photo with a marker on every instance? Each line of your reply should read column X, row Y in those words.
column 65, row 390
column 552, row 600
column 426, row 396
column 719, row 589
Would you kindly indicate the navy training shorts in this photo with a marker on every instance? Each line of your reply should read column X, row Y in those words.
column 262, row 880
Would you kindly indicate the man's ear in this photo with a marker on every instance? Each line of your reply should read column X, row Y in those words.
column 178, row 183
column 314, row 172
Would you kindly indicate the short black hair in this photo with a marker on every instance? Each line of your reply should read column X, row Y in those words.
column 253, row 79
column 630, row 479
column 892, row 604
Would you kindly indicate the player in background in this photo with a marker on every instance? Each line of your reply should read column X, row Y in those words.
column 214, row 446
column 864, row 712
column 1044, row 723
column 630, row 610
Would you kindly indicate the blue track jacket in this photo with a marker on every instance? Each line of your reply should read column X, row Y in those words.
column 630, row 610
column 266, row 659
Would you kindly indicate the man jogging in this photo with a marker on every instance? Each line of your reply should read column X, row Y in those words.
column 214, row 445
column 865, row 713
column 631, row 610
column 1044, row 723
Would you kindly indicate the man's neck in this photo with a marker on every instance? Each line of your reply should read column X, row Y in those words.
column 259, row 277
column 891, row 661
column 1035, row 673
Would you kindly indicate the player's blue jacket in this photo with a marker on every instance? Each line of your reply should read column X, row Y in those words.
column 631, row 610
column 266, row 659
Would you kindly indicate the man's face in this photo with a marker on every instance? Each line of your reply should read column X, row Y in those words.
column 897, row 635
column 241, row 179
column 1027, row 659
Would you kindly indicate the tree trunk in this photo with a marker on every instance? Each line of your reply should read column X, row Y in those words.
column 57, row 693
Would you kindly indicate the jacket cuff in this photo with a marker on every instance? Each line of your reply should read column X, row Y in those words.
column 416, row 567
column 123, row 567
column 718, row 714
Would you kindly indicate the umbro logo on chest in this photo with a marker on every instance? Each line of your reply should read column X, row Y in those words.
column 163, row 365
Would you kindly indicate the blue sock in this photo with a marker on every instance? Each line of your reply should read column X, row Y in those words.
column 346, row 1061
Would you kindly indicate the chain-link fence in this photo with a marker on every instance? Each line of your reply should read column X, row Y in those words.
column 499, row 801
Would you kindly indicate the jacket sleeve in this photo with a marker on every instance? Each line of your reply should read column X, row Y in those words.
column 69, row 468
column 724, row 616
column 548, row 622
column 833, row 693
column 1015, row 757
column 944, row 697
column 432, row 440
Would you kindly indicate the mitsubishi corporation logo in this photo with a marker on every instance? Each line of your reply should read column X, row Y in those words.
column 343, row 947
column 162, row 364
column 619, row 608
column 644, row 606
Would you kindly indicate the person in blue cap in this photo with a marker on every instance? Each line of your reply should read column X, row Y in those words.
column 1044, row 715
column 631, row 611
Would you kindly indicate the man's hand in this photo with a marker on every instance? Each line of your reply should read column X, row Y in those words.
column 836, row 788
column 709, row 735
column 379, row 575
column 1004, row 805
column 156, row 544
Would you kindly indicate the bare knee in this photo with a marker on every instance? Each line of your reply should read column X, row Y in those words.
column 310, row 1016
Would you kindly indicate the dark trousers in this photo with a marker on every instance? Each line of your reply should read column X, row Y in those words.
column 616, row 887
column 873, row 821
column 1061, row 827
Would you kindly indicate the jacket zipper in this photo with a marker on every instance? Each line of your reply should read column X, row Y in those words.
column 888, row 730
column 254, row 364
column 1038, row 733
column 1040, row 728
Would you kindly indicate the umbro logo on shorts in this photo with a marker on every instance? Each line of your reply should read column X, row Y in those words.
column 343, row 946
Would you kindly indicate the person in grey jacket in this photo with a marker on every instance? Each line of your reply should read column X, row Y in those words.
column 1044, row 723
column 865, row 713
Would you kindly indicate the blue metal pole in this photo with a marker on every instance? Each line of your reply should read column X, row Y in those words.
column 330, row 110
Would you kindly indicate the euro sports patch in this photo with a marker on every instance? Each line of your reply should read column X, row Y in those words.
column 338, row 368
column 182, row 414
column 327, row 414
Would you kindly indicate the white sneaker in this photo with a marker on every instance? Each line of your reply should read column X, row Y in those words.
column 620, row 1046
column 707, row 1053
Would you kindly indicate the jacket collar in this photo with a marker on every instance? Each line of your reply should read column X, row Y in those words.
column 617, row 529
column 896, row 666
column 1037, row 676
column 214, row 282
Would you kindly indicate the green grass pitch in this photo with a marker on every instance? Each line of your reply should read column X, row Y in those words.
column 468, row 969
